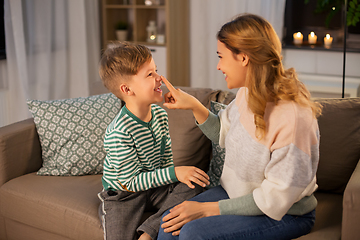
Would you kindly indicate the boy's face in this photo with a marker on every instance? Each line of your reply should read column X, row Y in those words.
column 146, row 84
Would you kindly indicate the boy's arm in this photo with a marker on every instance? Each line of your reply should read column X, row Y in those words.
column 131, row 178
column 130, row 175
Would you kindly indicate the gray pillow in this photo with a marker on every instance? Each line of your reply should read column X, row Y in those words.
column 71, row 133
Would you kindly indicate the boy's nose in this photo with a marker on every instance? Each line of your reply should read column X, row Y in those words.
column 158, row 77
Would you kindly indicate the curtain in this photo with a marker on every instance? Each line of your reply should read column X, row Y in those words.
column 204, row 26
column 53, row 49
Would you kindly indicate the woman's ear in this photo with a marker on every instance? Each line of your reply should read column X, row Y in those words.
column 244, row 59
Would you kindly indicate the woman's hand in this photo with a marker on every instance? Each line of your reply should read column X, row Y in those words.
column 186, row 212
column 178, row 99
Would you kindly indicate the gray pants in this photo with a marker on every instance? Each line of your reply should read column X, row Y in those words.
column 121, row 212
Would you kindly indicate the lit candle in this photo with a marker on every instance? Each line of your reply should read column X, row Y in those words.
column 298, row 38
column 328, row 40
column 312, row 38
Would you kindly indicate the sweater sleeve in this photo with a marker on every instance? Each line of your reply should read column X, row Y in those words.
column 216, row 127
column 211, row 127
column 246, row 206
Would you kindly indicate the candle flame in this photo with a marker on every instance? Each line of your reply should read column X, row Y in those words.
column 327, row 36
column 312, row 34
column 298, row 34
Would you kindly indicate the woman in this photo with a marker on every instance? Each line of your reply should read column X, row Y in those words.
column 271, row 138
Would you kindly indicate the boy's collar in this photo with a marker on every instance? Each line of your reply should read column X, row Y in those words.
column 133, row 116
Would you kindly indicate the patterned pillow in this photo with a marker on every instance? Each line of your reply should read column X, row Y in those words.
column 217, row 161
column 71, row 133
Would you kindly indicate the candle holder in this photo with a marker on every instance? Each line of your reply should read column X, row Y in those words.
column 151, row 32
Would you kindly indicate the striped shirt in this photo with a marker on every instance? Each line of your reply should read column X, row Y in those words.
column 139, row 155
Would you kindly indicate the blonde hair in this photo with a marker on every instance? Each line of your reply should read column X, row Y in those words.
column 266, row 79
column 119, row 62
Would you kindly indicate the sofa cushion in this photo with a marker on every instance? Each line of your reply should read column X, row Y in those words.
column 71, row 133
column 339, row 127
column 66, row 206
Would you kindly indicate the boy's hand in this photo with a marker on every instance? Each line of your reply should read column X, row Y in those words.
column 190, row 174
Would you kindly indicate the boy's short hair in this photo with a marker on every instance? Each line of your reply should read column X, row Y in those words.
column 119, row 62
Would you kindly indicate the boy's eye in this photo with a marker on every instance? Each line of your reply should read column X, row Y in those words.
column 150, row 74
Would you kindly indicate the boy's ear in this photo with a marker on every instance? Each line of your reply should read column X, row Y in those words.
column 125, row 89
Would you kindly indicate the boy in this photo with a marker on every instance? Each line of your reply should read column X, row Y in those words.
column 139, row 173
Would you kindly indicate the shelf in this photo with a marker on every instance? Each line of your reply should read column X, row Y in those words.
column 335, row 47
column 117, row 6
column 172, row 21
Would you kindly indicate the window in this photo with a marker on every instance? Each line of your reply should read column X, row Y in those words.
column 302, row 17
column 2, row 31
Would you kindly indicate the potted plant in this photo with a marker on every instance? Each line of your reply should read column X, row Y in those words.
column 331, row 7
column 121, row 30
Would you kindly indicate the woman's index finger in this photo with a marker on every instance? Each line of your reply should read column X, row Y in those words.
column 168, row 84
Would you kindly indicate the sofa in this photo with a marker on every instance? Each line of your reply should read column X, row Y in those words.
column 35, row 204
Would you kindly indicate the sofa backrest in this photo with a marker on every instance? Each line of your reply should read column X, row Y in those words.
column 339, row 127
column 20, row 151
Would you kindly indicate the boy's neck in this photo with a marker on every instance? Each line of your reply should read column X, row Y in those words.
column 143, row 112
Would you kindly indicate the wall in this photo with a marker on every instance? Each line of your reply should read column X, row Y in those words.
column 322, row 71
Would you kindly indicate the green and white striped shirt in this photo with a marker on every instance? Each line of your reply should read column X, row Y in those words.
column 139, row 155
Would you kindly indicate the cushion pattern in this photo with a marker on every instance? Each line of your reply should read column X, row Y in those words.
column 218, row 153
column 71, row 133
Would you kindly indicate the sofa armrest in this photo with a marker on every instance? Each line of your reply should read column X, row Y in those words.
column 351, row 207
column 20, row 151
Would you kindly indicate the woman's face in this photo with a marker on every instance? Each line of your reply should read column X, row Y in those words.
column 234, row 67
